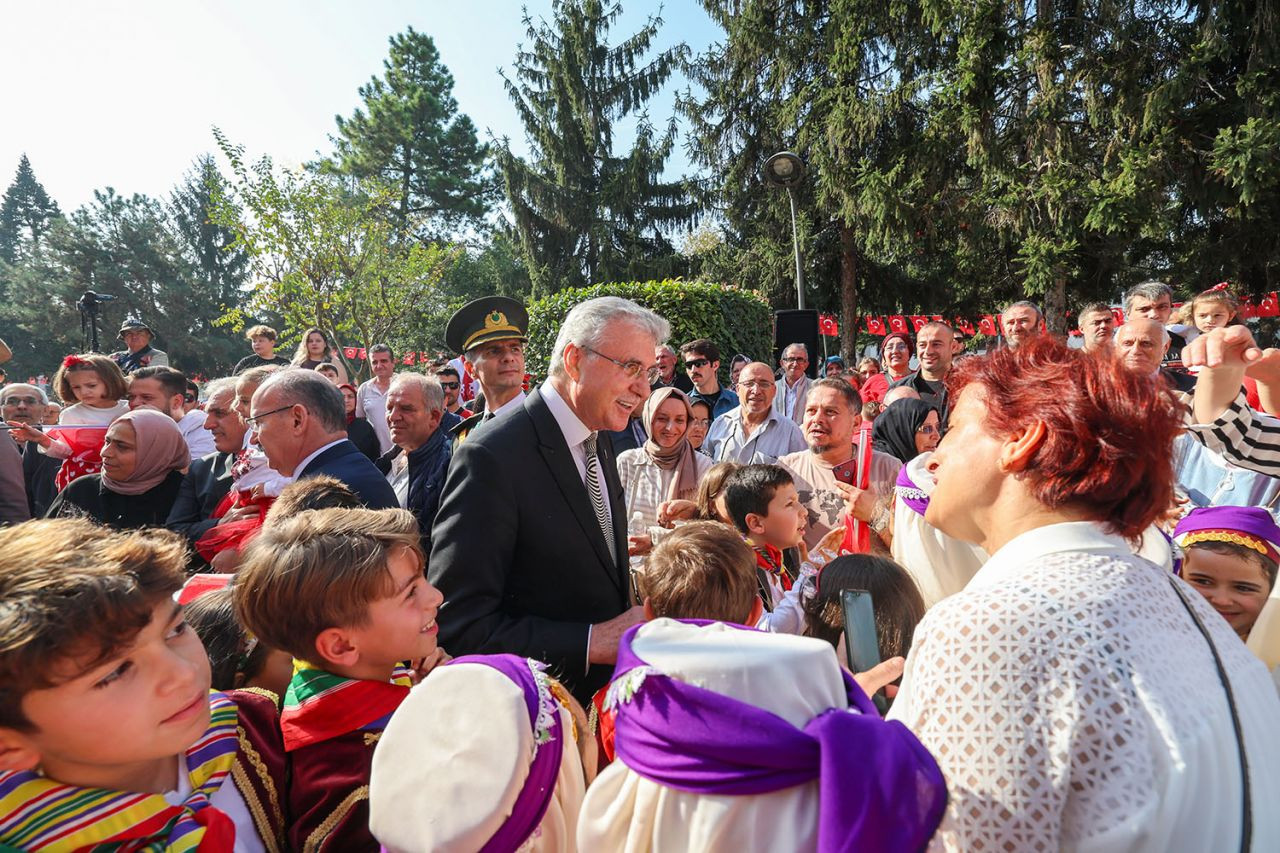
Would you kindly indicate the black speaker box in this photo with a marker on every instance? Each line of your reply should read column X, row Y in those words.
column 797, row 327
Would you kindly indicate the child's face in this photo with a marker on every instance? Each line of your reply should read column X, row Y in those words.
column 1237, row 588
column 88, row 386
column 402, row 626
column 124, row 721
column 1210, row 316
column 784, row 526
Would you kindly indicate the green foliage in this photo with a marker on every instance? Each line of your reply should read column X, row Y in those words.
column 410, row 136
column 321, row 255
column 583, row 212
column 737, row 320
column 26, row 213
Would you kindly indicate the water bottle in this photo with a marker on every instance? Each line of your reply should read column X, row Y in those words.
column 636, row 527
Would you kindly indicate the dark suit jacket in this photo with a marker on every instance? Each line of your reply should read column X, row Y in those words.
column 626, row 439
column 207, row 482
column 39, row 472
column 517, row 552
column 345, row 462
column 14, row 507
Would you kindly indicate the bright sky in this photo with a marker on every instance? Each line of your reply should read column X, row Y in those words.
column 123, row 93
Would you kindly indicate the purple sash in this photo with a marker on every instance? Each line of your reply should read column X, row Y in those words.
column 879, row 788
column 544, row 718
column 910, row 494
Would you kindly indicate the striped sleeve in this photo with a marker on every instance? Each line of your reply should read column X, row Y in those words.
column 1245, row 437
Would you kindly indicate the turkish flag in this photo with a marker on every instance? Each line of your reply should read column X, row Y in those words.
column 349, row 352
column 898, row 323
column 410, row 357
column 1118, row 313
column 987, row 325
column 1269, row 306
column 918, row 322
column 965, row 326
column 827, row 325
column 875, row 325
column 1247, row 308
column 362, row 353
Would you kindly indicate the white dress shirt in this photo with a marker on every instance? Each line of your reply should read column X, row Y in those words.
column 511, row 405
column 371, row 404
column 727, row 440
column 1072, row 704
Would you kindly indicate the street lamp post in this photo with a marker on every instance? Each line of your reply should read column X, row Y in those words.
column 786, row 170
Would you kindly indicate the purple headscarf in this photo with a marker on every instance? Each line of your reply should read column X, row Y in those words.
column 879, row 788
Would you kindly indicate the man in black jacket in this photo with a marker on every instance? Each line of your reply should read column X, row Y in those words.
column 417, row 464
column 209, row 478
column 530, row 543
column 26, row 404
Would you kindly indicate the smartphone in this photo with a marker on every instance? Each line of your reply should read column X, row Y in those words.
column 847, row 472
column 861, row 643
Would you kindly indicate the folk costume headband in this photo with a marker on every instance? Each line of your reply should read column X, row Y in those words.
column 1252, row 527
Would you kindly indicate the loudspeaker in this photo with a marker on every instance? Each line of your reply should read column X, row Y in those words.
column 797, row 327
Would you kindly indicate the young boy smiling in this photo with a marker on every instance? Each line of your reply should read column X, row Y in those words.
column 109, row 734
column 343, row 591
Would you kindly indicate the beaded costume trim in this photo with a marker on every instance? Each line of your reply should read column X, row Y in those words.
column 1231, row 536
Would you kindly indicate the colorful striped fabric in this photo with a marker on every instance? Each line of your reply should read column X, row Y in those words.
column 39, row 814
column 320, row 705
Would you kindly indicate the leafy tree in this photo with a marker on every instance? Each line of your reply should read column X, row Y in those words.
column 410, row 135
column 26, row 213
column 321, row 255
column 583, row 212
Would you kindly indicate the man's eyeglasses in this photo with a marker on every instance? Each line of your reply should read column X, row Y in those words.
column 757, row 383
column 190, row 398
column 795, row 359
column 696, row 362
column 450, row 386
column 256, row 420
column 632, row 368
column 21, row 401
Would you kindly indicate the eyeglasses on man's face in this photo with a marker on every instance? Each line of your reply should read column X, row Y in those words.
column 795, row 359
column 696, row 362
column 450, row 386
column 21, row 401
column 631, row 368
column 255, row 421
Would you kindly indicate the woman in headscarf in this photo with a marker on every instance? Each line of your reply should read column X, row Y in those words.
column 895, row 354
column 1070, row 677
column 359, row 430
column 906, row 429
column 143, row 460
column 665, row 468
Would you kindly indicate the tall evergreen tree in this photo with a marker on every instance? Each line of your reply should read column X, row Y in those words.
column 25, row 214
column 209, row 246
column 410, row 135
column 584, row 212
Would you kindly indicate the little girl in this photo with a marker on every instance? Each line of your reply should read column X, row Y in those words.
column 96, row 386
column 1214, row 309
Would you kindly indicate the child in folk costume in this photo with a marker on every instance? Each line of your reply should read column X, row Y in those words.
column 1230, row 557
column 343, row 591
column 487, row 753
column 110, row 738
column 95, row 387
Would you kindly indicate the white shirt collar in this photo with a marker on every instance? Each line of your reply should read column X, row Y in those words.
column 514, row 403
column 1026, row 548
column 571, row 427
column 306, row 460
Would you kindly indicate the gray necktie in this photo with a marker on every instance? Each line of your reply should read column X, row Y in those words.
column 594, row 473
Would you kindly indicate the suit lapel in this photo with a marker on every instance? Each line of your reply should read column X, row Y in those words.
column 555, row 452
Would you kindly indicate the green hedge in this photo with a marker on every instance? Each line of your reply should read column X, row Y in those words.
column 737, row 320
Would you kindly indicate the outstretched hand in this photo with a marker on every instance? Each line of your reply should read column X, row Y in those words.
column 1228, row 347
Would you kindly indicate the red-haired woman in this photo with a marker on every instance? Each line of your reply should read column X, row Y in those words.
column 1073, row 693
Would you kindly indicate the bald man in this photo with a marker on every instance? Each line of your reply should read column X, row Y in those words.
column 1141, row 344
column 754, row 431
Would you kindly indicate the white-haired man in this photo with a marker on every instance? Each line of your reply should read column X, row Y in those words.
column 530, row 543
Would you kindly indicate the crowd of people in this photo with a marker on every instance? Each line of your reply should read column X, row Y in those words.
column 617, row 608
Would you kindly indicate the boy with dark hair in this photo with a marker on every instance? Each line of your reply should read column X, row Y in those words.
column 110, row 738
column 318, row 492
column 703, row 570
column 764, row 505
column 343, row 591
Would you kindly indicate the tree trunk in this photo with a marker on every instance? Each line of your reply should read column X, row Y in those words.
column 1055, row 308
column 848, row 296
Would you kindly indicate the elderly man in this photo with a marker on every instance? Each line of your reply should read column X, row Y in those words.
column 755, row 431
column 789, row 401
column 138, row 352
column 935, row 349
column 1098, row 325
column 1020, row 322
column 831, row 418
column 1153, row 300
column 165, row 389
column 491, row 333
column 209, row 478
column 667, row 376
column 417, row 464
column 530, row 543
column 702, row 364
column 25, row 404
column 371, row 396
column 1141, row 344
column 299, row 419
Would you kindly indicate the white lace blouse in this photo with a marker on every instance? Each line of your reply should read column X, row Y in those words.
column 1073, row 705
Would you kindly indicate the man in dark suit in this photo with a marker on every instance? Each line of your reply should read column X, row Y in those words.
column 530, row 543
column 209, row 478
column 27, row 404
column 300, row 421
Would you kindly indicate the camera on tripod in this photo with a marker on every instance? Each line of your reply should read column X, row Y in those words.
column 90, row 304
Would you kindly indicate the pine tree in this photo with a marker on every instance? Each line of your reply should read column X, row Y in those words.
column 209, row 246
column 410, row 135
column 583, row 212
column 25, row 214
